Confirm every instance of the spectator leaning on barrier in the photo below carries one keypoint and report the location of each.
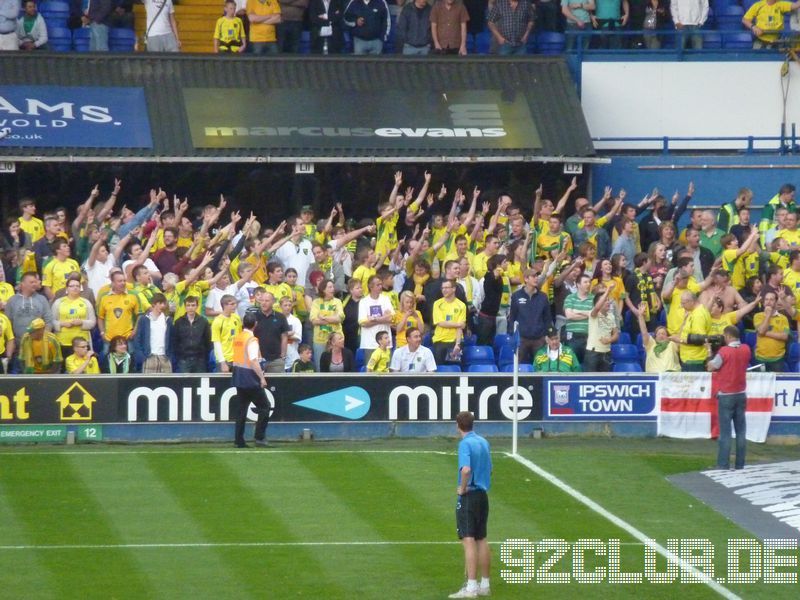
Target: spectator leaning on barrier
(610, 15)
(449, 20)
(661, 349)
(768, 16)
(31, 29)
(511, 23)
(414, 28)
(689, 16)
(370, 24)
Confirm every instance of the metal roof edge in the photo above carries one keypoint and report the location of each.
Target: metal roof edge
(306, 159)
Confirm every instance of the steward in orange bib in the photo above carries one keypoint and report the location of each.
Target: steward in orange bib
(250, 383)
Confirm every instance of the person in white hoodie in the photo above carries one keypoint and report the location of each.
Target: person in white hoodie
(689, 17)
(31, 29)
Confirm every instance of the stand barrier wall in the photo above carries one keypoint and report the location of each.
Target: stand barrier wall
(201, 407)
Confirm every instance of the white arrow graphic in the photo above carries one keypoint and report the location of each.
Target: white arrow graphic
(351, 403)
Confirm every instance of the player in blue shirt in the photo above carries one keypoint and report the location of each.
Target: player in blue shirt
(472, 508)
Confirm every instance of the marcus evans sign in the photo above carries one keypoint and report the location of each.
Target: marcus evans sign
(77, 117)
(391, 119)
(211, 399)
(602, 398)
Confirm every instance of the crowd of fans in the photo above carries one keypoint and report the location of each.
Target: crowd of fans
(430, 277)
(411, 27)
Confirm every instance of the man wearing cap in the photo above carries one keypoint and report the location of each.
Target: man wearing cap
(40, 351)
(554, 357)
(531, 310)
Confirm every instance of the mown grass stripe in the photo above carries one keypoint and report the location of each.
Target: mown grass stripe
(225, 510)
(52, 505)
(142, 510)
(23, 566)
(393, 511)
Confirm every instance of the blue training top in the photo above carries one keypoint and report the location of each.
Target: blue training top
(473, 452)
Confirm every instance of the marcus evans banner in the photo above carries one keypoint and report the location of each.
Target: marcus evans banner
(79, 117)
(390, 119)
(208, 399)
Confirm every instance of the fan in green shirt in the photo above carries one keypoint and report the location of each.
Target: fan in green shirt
(554, 357)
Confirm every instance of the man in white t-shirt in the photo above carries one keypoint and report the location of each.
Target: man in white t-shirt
(374, 315)
(244, 289)
(413, 357)
(296, 253)
(295, 332)
(215, 294)
(161, 30)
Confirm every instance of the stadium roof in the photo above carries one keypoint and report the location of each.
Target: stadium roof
(188, 108)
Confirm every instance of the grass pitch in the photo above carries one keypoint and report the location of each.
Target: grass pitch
(335, 520)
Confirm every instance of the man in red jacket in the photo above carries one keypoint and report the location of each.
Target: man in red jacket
(730, 375)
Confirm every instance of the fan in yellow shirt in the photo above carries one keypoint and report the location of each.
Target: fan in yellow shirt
(82, 361)
(768, 15)
(223, 329)
(54, 274)
(32, 226)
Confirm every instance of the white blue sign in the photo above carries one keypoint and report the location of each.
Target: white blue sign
(590, 398)
(49, 116)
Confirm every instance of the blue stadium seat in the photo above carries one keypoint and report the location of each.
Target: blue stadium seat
(212, 361)
(427, 340)
(362, 369)
(500, 340)
(505, 356)
(627, 367)
(478, 355)
(55, 14)
(737, 41)
(523, 368)
(448, 369)
(59, 38)
(711, 22)
(662, 318)
(624, 353)
(551, 42)
(482, 369)
(121, 39)
(469, 340)
(359, 357)
(729, 18)
(305, 42)
(80, 39)
(750, 339)
(483, 42)
(624, 338)
(792, 357)
(712, 40)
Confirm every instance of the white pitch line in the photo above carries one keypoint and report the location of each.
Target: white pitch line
(221, 545)
(156, 545)
(583, 499)
(252, 452)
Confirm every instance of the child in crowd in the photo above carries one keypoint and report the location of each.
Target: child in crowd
(303, 364)
(382, 355)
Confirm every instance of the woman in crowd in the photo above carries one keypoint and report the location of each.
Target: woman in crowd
(407, 316)
(659, 265)
(73, 317)
(327, 314)
(337, 358)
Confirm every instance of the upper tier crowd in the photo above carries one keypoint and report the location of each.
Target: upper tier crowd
(165, 288)
(410, 27)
